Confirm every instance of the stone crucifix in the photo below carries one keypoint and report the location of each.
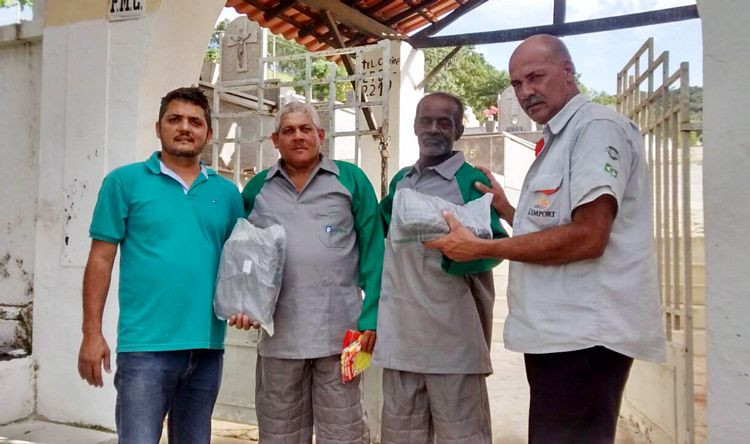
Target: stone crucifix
(240, 39)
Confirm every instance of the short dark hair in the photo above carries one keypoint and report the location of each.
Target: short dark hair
(189, 94)
(458, 116)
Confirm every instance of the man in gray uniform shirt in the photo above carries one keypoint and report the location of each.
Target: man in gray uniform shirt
(582, 288)
(435, 316)
(334, 251)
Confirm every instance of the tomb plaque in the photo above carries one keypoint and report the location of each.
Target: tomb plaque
(126, 9)
(485, 150)
(240, 50)
(513, 119)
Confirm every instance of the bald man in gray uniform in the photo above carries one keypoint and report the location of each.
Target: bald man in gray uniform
(435, 316)
(582, 288)
(334, 251)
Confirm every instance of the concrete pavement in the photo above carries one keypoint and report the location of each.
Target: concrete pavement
(507, 387)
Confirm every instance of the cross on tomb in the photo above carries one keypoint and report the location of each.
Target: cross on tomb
(242, 38)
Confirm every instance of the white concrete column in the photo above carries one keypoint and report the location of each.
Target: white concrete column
(20, 82)
(407, 66)
(726, 61)
(101, 86)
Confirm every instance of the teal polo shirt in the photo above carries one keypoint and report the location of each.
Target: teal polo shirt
(170, 243)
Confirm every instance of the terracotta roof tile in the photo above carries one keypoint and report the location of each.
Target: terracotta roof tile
(301, 23)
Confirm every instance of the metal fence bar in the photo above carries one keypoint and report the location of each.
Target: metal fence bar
(250, 94)
(687, 246)
(663, 114)
(384, 138)
(216, 130)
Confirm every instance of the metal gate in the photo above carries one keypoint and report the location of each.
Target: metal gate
(658, 101)
(241, 147)
(263, 96)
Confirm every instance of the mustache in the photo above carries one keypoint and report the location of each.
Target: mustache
(532, 100)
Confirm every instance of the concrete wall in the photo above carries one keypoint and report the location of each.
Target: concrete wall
(726, 165)
(101, 86)
(20, 80)
(519, 155)
(17, 389)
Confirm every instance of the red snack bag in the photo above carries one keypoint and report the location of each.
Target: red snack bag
(353, 360)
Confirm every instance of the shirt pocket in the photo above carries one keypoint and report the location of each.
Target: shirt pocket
(546, 200)
(335, 222)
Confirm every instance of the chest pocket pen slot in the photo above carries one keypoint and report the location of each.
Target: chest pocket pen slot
(334, 224)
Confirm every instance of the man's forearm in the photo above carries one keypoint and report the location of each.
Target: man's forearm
(585, 238)
(555, 246)
(96, 281)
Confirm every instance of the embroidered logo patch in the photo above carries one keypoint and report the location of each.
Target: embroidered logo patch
(542, 202)
(613, 153)
(332, 229)
(610, 169)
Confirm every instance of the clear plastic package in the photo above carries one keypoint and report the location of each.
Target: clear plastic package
(418, 217)
(250, 270)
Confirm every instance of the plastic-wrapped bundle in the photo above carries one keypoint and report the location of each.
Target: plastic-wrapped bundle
(419, 217)
(250, 270)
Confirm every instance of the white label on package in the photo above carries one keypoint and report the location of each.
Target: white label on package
(247, 266)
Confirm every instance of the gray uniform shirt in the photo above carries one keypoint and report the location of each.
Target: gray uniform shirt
(320, 294)
(612, 300)
(431, 321)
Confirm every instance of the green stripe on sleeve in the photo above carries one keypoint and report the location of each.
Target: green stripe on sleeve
(466, 176)
(251, 191)
(370, 242)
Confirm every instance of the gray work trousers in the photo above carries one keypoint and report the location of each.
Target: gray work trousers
(293, 394)
(433, 408)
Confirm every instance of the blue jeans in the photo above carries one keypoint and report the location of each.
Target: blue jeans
(183, 383)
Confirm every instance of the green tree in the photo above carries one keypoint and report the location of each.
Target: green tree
(696, 112)
(696, 103)
(320, 70)
(601, 97)
(278, 46)
(213, 52)
(23, 3)
(468, 75)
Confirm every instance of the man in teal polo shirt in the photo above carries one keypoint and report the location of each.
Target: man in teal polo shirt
(170, 216)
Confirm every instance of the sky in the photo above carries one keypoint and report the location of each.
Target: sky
(598, 56)
(10, 14)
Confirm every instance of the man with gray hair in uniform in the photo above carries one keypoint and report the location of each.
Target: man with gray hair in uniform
(435, 317)
(582, 289)
(328, 209)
